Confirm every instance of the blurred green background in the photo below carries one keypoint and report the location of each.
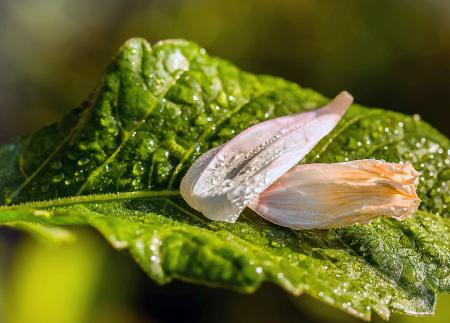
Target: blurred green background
(394, 54)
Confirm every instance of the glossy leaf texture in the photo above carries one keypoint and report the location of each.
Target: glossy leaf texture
(116, 162)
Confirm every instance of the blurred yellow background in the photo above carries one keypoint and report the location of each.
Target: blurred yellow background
(389, 53)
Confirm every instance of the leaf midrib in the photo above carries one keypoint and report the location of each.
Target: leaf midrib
(94, 198)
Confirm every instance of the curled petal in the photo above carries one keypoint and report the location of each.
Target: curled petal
(334, 195)
(224, 180)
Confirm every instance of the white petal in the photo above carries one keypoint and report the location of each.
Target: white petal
(333, 195)
(223, 181)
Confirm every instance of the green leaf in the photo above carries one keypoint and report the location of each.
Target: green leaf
(116, 163)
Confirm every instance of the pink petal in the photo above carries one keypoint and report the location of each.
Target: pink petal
(333, 195)
(224, 180)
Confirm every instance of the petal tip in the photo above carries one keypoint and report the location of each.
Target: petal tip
(341, 103)
(345, 94)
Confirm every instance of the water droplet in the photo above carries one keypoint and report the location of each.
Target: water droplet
(233, 218)
(347, 305)
(57, 178)
(176, 61)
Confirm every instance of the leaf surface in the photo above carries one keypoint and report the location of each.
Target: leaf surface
(116, 162)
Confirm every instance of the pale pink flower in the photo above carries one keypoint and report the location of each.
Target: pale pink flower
(255, 169)
(224, 180)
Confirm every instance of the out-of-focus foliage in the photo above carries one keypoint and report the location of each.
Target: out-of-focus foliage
(76, 283)
(53, 283)
(107, 298)
(387, 53)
